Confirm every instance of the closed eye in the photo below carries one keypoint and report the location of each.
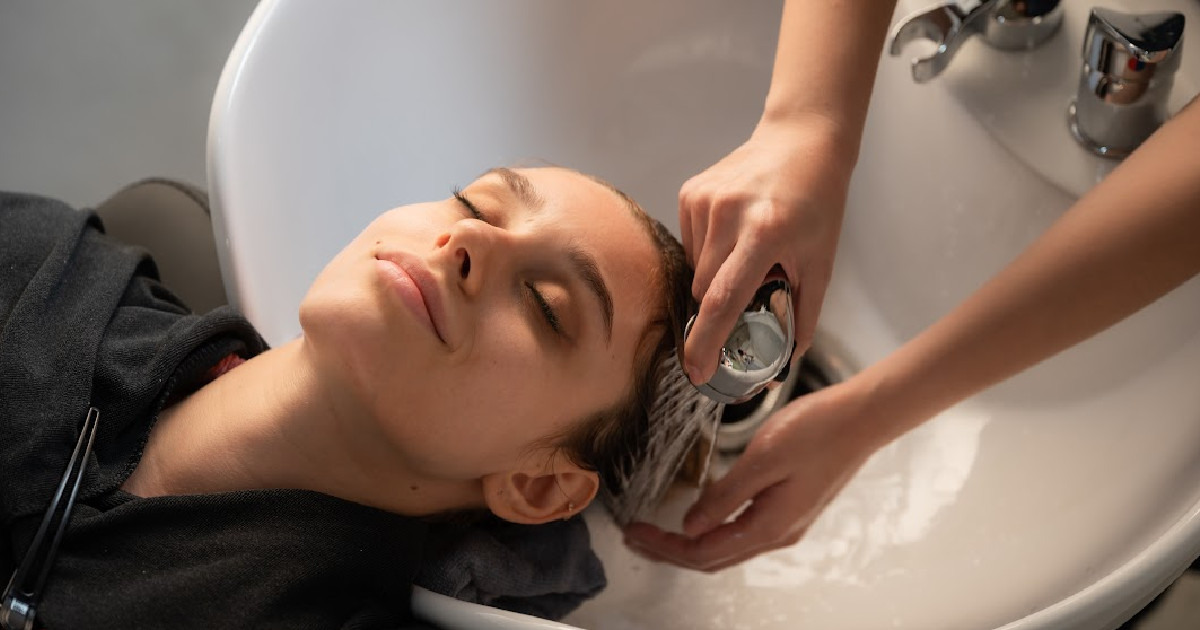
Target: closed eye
(539, 299)
(472, 210)
(547, 311)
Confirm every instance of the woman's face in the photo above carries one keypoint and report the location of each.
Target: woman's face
(473, 327)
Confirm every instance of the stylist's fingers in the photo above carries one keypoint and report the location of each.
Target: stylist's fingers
(704, 524)
(807, 303)
(759, 530)
(720, 499)
(685, 235)
(694, 206)
(691, 214)
(725, 298)
(755, 531)
(720, 237)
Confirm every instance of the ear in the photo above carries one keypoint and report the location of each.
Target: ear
(560, 489)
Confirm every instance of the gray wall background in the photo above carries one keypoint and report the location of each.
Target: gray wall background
(97, 94)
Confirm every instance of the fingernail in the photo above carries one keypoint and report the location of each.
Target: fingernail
(691, 372)
(696, 524)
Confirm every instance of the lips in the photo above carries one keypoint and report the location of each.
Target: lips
(418, 289)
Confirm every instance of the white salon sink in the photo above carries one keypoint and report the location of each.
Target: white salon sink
(1064, 498)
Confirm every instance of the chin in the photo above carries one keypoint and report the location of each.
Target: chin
(340, 321)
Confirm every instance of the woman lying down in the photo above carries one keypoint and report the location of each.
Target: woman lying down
(497, 351)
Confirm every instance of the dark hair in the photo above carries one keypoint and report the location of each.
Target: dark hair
(612, 440)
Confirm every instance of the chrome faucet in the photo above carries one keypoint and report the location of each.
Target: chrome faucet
(1129, 64)
(1005, 24)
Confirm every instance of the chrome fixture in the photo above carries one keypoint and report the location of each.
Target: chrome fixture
(759, 349)
(826, 363)
(1129, 64)
(1004, 24)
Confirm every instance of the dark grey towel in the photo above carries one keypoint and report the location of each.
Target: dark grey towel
(544, 570)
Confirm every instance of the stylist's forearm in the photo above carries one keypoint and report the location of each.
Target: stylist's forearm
(1130, 240)
(825, 65)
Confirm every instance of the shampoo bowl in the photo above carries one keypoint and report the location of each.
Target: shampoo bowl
(1065, 498)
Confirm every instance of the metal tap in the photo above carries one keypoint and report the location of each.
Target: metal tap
(1129, 64)
(1005, 24)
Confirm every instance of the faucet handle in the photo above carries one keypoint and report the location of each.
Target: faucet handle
(1129, 64)
(1132, 47)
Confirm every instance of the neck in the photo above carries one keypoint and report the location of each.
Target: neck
(274, 422)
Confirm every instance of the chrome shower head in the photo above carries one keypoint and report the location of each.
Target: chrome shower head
(760, 347)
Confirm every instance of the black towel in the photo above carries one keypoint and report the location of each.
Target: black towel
(544, 570)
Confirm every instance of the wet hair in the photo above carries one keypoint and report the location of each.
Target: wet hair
(614, 440)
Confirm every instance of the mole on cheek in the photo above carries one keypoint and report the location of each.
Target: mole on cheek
(413, 488)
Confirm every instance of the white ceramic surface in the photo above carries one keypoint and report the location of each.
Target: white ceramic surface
(1064, 498)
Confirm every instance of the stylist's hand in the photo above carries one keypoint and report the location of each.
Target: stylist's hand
(778, 198)
(794, 466)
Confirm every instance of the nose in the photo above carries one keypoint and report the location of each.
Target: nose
(475, 250)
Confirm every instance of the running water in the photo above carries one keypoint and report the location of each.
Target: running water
(678, 417)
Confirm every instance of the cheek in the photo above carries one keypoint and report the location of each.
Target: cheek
(504, 376)
(461, 425)
(491, 404)
(414, 228)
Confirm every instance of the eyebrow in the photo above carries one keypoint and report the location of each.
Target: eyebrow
(520, 186)
(582, 261)
(585, 266)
